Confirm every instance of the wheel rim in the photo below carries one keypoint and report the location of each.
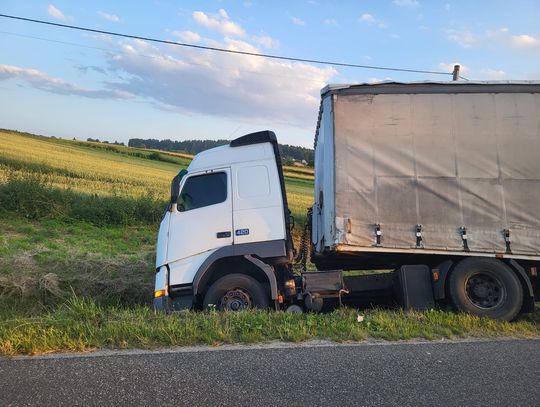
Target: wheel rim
(484, 290)
(236, 300)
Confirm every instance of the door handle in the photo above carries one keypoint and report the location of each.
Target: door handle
(221, 235)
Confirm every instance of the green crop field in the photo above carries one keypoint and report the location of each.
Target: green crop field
(78, 224)
(102, 169)
(82, 217)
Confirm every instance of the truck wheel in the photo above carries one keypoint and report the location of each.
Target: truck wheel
(485, 287)
(236, 292)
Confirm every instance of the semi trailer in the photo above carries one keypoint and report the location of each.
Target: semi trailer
(435, 183)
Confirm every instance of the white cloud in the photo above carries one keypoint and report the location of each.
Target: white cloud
(90, 68)
(110, 17)
(247, 88)
(100, 37)
(493, 74)
(330, 21)
(525, 41)
(42, 81)
(464, 38)
(220, 22)
(297, 21)
(374, 79)
(187, 36)
(55, 12)
(406, 3)
(266, 41)
(369, 19)
(495, 38)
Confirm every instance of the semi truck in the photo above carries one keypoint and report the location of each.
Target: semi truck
(428, 191)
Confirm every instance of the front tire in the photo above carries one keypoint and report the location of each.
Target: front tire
(236, 292)
(485, 287)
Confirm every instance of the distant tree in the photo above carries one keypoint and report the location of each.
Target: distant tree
(288, 152)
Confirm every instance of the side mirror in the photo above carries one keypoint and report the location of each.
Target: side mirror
(175, 187)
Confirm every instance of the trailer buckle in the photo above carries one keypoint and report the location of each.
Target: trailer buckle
(463, 230)
(419, 244)
(378, 234)
(507, 240)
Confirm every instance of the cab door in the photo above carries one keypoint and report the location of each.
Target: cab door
(203, 218)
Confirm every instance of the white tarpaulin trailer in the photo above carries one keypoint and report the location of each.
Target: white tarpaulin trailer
(449, 168)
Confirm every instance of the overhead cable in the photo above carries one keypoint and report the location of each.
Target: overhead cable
(224, 50)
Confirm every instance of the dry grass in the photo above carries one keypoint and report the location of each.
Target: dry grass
(301, 170)
(44, 262)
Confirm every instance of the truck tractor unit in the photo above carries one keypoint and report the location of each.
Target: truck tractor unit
(424, 193)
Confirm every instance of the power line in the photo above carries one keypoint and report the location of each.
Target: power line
(156, 57)
(181, 44)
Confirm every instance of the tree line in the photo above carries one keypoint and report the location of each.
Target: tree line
(289, 153)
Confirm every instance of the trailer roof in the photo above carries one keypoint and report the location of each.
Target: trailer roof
(389, 87)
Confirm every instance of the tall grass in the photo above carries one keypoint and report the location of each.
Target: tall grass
(34, 198)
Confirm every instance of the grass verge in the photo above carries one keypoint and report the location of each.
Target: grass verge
(81, 325)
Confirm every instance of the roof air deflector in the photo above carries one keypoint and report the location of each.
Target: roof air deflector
(265, 136)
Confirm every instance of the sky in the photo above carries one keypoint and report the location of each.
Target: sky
(65, 83)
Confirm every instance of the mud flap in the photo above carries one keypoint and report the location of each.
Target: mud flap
(415, 287)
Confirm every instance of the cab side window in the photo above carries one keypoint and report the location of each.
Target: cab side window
(203, 190)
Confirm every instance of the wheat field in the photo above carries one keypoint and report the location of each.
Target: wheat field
(89, 168)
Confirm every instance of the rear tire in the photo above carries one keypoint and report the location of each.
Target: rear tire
(236, 292)
(485, 287)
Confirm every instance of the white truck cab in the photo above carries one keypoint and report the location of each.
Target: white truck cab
(228, 216)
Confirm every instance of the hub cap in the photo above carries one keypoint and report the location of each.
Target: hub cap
(484, 290)
(236, 300)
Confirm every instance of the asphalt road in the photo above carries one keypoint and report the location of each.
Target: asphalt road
(496, 373)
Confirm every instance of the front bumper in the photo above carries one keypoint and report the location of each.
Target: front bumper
(168, 304)
(162, 304)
